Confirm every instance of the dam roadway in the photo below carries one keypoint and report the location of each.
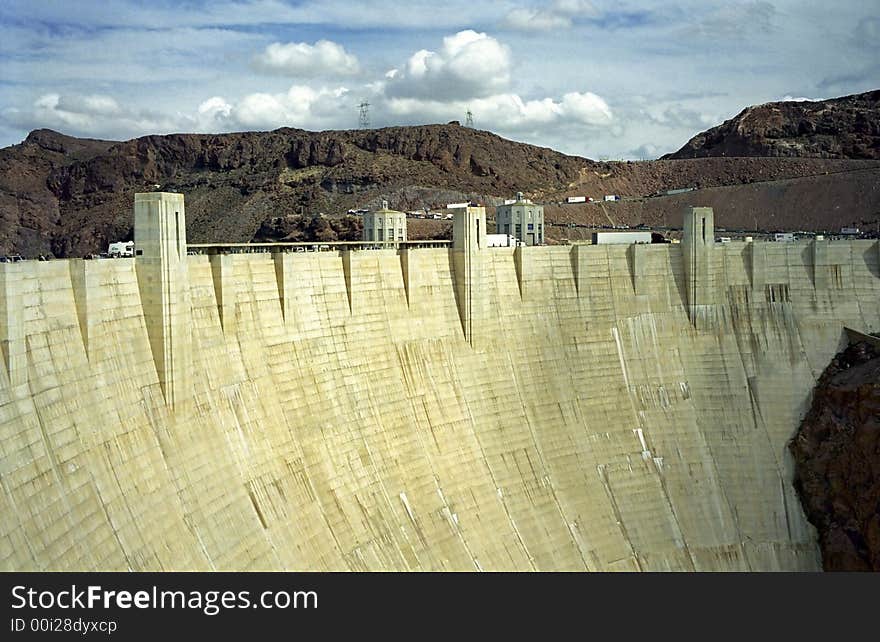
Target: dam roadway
(600, 408)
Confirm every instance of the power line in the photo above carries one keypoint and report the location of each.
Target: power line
(469, 119)
(364, 115)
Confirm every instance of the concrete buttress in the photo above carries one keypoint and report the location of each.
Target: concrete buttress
(160, 258)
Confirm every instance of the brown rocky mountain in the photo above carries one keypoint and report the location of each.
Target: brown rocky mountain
(28, 208)
(837, 460)
(70, 197)
(846, 127)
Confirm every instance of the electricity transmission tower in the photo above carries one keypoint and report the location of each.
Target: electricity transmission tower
(364, 115)
(469, 119)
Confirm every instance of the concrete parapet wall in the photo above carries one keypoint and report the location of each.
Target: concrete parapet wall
(339, 418)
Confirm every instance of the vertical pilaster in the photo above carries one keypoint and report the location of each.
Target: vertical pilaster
(12, 343)
(638, 265)
(85, 283)
(160, 261)
(346, 273)
(224, 284)
(821, 265)
(407, 272)
(579, 267)
(468, 243)
(521, 270)
(284, 279)
(757, 262)
(698, 242)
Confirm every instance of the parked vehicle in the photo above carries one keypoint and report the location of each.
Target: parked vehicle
(122, 249)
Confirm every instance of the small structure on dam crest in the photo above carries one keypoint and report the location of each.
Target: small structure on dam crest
(384, 224)
(522, 218)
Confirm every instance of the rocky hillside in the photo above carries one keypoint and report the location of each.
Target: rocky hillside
(28, 207)
(70, 197)
(847, 127)
(837, 459)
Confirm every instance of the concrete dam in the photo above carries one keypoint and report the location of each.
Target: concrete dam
(583, 408)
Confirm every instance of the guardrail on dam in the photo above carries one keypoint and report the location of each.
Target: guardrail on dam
(574, 407)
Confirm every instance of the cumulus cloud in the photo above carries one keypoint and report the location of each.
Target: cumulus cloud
(174, 57)
(300, 106)
(587, 108)
(472, 71)
(558, 15)
(102, 116)
(468, 71)
(88, 115)
(509, 112)
(468, 65)
(214, 114)
(324, 58)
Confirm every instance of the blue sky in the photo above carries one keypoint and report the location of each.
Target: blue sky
(603, 79)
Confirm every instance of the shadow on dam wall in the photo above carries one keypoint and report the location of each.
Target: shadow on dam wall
(599, 408)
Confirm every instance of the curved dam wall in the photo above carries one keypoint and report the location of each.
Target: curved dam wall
(539, 408)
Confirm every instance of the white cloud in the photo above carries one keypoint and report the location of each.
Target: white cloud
(107, 71)
(587, 108)
(300, 106)
(469, 64)
(472, 71)
(558, 15)
(103, 117)
(88, 115)
(304, 60)
(96, 104)
(509, 112)
(213, 114)
(797, 99)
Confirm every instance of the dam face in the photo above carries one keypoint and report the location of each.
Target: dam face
(537, 408)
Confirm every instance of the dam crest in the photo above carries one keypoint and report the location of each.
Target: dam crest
(454, 407)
